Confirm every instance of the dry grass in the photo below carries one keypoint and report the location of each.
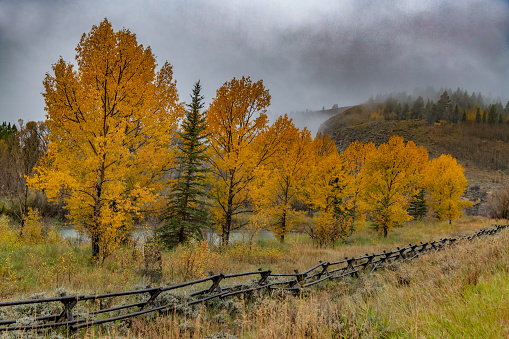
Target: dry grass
(459, 292)
(453, 293)
(35, 268)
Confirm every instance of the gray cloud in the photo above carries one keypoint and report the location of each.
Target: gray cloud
(309, 54)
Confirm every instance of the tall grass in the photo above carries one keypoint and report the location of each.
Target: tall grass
(27, 268)
(460, 292)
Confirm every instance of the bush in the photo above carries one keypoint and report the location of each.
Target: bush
(8, 236)
(497, 206)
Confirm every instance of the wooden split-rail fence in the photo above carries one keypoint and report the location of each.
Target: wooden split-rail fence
(263, 280)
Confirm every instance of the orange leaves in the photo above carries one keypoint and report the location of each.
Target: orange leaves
(393, 175)
(385, 179)
(445, 183)
(112, 121)
(282, 181)
(237, 124)
(325, 167)
(237, 114)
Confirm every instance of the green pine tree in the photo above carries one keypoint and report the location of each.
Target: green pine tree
(442, 107)
(492, 114)
(478, 116)
(455, 114)
(418, 207)
(186, 213)
(464, 117)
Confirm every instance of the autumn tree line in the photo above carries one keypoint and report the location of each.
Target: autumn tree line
(118, 146)
(454, 107)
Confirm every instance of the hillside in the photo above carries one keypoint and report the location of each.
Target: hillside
(313, 119)
(482, 149)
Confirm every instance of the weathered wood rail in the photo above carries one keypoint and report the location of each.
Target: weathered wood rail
(264, 280)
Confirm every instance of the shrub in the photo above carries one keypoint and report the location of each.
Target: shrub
(497, 205)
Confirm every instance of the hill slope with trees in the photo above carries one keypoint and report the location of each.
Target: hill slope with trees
(475, 133)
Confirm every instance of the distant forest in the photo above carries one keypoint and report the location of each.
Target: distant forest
(444, 104)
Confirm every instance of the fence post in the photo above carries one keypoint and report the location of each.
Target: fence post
(424, 247)
(153, 295)
(263, 277)
(69, 304)
(300, 278)
(384, 258)
(401, 253)
(66, 314)
(350, 268)
(369, 261)
(215, 283)
(325, 265)
(412, 249)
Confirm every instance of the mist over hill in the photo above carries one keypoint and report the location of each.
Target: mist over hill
(312, 120)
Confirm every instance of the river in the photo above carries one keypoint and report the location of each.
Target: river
(68, 232)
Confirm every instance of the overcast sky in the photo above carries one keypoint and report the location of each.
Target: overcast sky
(309, 53)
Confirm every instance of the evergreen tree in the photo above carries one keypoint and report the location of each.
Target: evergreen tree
(8, 133)
(404, 112)
(478, 116)
(418, 108)
(500, 119)
(455, 114)
(434, 115)
(418, 207)
(442, 107)
(186, 214)
(464, 117)
(399, 111)
(492, 114)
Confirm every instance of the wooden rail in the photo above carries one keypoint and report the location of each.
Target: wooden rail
(264, 280)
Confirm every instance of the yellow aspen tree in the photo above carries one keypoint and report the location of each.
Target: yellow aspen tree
(354, 157)
(240, 141)
(445, 183)
(393, 176)
(281, 183)
(326, 191)
(111, 125)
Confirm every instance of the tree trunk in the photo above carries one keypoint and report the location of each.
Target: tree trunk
(180, 236)
(95, 248)
(228, 220)
(283, 228)
(96, 236)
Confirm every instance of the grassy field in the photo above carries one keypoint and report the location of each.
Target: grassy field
(461, 292)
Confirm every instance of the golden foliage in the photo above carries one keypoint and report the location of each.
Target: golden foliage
(8, 236)
(393, 176)
(325, 168)
(32, 231)
(327, 192)
(445, 183)
(112, 121)
(193, 259)
(241, 141)
(279, 184)
(354, 157)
